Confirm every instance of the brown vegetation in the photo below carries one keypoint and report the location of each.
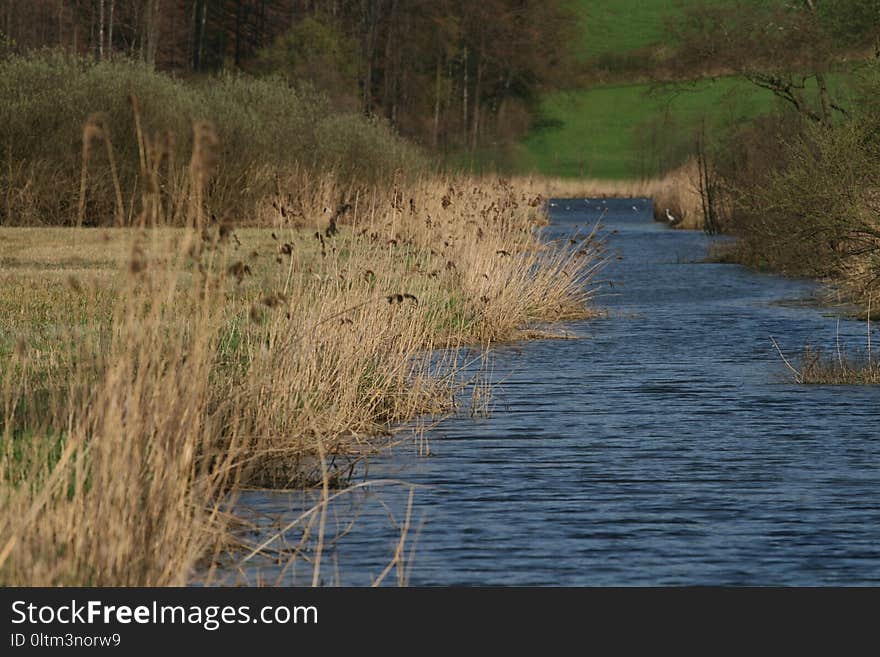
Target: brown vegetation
(677, 191)
(135, 404)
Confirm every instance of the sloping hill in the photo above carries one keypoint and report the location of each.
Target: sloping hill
(633, 131)
(629, 130)
(620, 26)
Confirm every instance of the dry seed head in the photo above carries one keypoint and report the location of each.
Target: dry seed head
(204, 148)
(138, 262)
(92, 132)
(226, 230)
(274, 300)
(74, 284)
(239, 270)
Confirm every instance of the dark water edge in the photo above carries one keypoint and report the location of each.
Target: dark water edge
(665, 445)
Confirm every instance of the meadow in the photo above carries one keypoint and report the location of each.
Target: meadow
(220, 284)
(621, 26)
(634, 131)
(630, 118)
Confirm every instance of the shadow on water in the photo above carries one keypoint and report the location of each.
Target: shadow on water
(664, 446)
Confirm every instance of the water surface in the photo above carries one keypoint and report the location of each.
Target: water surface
(665, 445)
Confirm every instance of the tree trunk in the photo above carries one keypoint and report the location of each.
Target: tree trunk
(370, 11)
(100, 30)
(389, 72)
(61, 24)
(475, 127)
(502, 104)
(464, 98)
(200, 47)
(110, 30)
(238, 11)
(824, 99)
(435, 129)
(75, 26)
(154, 33)
(191, 36)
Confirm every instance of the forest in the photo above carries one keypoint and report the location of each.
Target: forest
(449, 73)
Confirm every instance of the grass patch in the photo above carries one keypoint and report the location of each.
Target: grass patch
(634, 131)
(822, 368)
(622, 26)
(817, 366)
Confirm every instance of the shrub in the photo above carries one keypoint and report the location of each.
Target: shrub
(266, 130)
(806, 197)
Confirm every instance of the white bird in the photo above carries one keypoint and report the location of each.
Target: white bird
(552, 204)
(671, 218)
(635, 209)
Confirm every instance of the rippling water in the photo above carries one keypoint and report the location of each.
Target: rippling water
(664, 446)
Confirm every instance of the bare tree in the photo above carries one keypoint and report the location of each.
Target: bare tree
(100, 30)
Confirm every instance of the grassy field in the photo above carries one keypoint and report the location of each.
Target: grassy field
(619, 26)
(200, 293)
(633, 131)
(619, 132)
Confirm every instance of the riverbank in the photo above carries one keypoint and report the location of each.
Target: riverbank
(676, 191)
(801, 199)
(669, 445)
(149, 374)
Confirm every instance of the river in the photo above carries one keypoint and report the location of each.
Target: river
(664, 445)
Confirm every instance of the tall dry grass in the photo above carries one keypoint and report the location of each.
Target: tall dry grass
(267, 357)
(677, 191)
(114, 463)
(818, 366)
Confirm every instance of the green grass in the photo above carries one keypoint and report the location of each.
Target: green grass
(635, 131)
(629, 131)
(618, 26)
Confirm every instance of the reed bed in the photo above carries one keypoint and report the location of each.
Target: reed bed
(818, 366)
(677, 191)
(821, 368)
(148, 373)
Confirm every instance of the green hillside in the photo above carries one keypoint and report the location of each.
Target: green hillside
(620, 26)
(632, 131)
(628, 131)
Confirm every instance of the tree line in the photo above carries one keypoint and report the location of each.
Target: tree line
(452, 74)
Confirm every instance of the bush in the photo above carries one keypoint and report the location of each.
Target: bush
(266, 130)
(807, 196)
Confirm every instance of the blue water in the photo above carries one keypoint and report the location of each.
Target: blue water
(666, 445)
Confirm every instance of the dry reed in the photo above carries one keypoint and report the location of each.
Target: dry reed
(273, 357)
(817, 366)
(677, 191)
